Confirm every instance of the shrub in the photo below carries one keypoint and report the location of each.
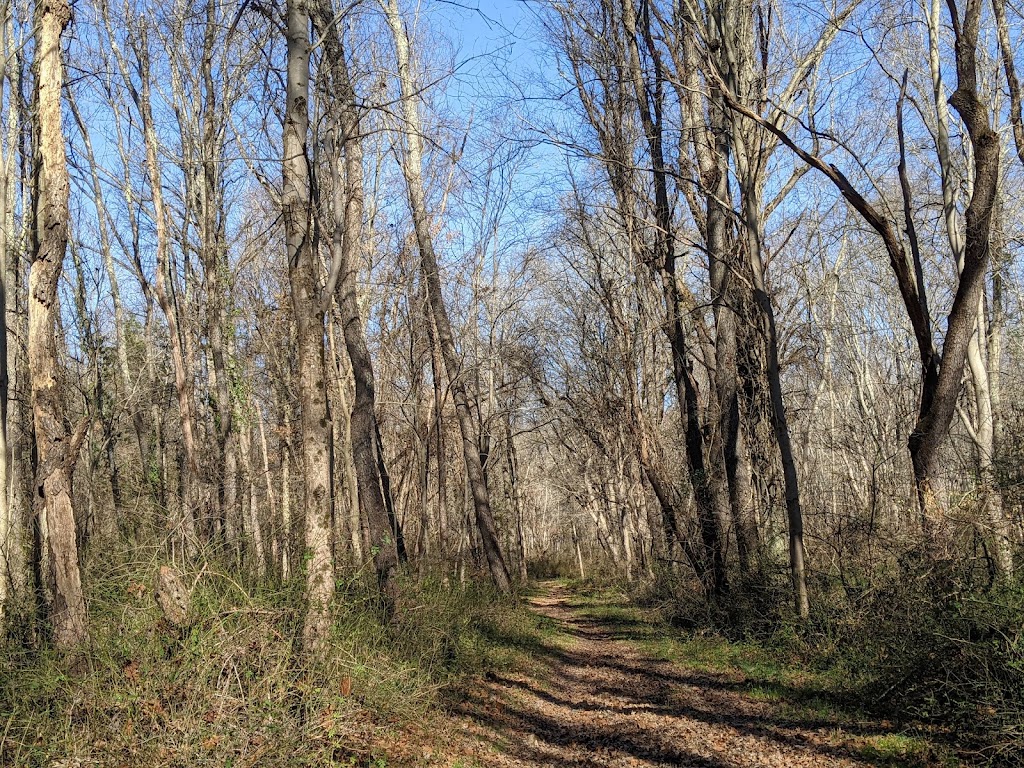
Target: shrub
(232, 684)
(953, 657)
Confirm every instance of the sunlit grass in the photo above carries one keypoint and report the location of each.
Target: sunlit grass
(777, 676)
(233, 688)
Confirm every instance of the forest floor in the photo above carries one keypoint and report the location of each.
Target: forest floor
(608, 688)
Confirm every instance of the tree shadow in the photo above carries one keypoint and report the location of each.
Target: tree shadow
(848, 704)
(789, 732)
(534, 738)
(628, 705)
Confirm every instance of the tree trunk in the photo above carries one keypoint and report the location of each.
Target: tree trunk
(440, 453)
(249, 507)
(216, 272)
(285, 446)
(346, 488)
(934, 420)
(941, 377)
(186, 524)
(708, 483)
(276, 547)
(10, 526)
(412, 167)
(794, 513)
(726, 287)
(579, 551)
(121, 347)
(516, 498)
(55, 448)
(347, 182)
(983, 431)
(309, 323)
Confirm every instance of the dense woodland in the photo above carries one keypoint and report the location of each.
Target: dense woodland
(718, 299)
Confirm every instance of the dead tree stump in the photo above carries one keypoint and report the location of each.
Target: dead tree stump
(172, 596)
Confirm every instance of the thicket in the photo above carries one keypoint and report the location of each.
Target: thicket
(924, 643)
(948, 654)
(233, 687)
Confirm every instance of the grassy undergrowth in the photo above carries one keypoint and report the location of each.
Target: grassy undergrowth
(233, 690)
(802, 688)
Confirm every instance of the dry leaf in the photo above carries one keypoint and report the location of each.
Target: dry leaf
(131, 671)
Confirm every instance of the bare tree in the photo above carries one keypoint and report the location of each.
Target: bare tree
(941, 373)
(56, 449)
(346, 174)
(412, 169)
(309, 323)
(11, 528)
(162, 284)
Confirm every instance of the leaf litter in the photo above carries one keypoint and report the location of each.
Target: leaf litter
(593, 699)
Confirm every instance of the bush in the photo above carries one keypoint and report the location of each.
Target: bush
(232, 687)
(551, 565)
(954, 657)
(920, 642)
(758, 607)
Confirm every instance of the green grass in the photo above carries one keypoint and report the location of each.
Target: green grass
(232, 689)
(905, 750)
(797, 692)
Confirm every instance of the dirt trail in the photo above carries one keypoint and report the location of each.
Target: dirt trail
(599, 701)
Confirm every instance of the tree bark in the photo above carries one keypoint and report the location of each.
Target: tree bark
(708, 482)
(516, 498)
(213, 251)
(55, 447)
(309, 323)
(711, 150)
(940, 376)
(10, 526)
(933, 424)
(121, 347)
(412, 165)
(346, 240)
(185, 527)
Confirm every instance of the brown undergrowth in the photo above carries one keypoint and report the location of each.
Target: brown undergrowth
(231, 688)
(460, 678)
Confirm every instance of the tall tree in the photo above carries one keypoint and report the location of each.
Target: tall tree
(412, 169)
(162, 286)
(347, 237)
(622, 84)
(309, 324)
(941, 373)
(55, 447)
(10, 526)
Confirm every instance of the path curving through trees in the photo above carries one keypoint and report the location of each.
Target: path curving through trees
(596, 699)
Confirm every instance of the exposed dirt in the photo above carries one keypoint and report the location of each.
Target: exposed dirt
(599, 701)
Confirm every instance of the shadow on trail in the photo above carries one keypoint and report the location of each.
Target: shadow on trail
(607, 701)
(535, 738)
